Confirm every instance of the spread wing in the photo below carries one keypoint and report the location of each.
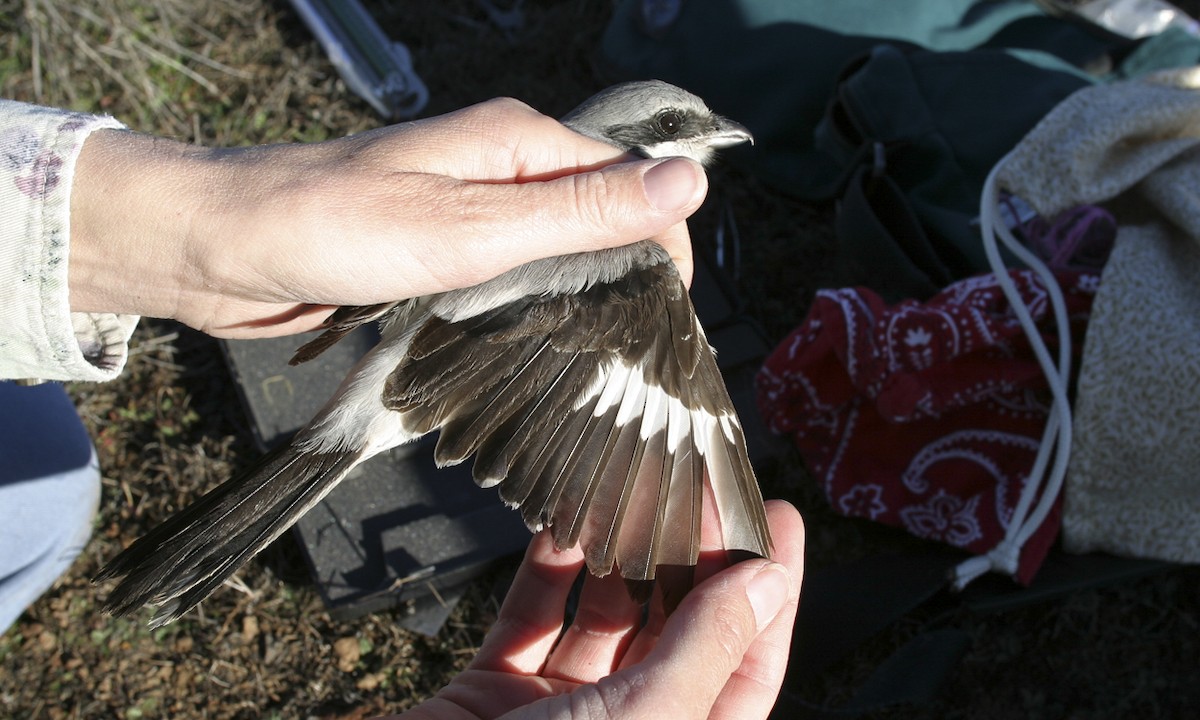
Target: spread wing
(600, 413)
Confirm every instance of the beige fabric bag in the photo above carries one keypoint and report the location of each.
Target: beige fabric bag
(1133, 483)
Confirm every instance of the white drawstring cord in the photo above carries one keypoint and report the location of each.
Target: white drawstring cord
(1056, 438)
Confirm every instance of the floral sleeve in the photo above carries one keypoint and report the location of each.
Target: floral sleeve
(40, 338)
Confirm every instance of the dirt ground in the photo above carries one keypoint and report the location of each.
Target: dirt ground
(235, 72)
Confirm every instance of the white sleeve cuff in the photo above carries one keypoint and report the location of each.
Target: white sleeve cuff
(40, 338)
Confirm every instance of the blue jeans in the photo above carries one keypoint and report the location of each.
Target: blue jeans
(49, 492)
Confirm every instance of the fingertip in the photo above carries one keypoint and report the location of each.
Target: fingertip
(787, 530)
(675, 184)
(768, 591)
(531, 615)
(542, 551)
(718, 621)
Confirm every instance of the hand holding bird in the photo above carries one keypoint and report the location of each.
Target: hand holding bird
(582, 384)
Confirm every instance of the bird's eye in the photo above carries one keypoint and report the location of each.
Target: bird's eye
(669, 122)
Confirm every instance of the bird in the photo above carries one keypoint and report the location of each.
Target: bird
(582, 385)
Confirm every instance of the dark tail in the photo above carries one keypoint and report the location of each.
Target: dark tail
(178, 563)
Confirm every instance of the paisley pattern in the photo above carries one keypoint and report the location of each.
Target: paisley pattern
(925, 416)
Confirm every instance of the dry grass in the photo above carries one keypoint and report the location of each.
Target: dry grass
(232, 72)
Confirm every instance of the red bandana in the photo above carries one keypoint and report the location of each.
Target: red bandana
(925, 416)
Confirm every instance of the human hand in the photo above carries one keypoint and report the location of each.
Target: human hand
(263, 241)
(721, 654)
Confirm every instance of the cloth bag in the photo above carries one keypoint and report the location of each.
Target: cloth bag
(1133, 486)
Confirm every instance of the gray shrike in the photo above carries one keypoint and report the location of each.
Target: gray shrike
(582, 384)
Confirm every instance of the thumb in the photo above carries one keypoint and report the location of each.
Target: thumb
(625, 202)
(703, 643)
(608, 207)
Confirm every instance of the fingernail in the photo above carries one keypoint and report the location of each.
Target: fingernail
(672, 184)
(768, 591)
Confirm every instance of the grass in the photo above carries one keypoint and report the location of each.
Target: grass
(235, 72)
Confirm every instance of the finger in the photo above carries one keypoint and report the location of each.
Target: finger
(604, 625)
(495, 227)
(266, 319)
(522, 145)
(502, 139)
(678, 243)
(702, 645)
(740, 620)
(754, 686)
(531, 617)
(713, 559)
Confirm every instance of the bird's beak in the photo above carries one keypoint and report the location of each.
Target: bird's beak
(727, 133)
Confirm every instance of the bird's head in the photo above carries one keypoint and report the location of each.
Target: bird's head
(655, 119)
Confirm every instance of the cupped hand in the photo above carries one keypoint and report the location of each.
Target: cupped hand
(263, 241)
(721, 654)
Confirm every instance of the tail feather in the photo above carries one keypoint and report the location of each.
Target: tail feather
(181, 561)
